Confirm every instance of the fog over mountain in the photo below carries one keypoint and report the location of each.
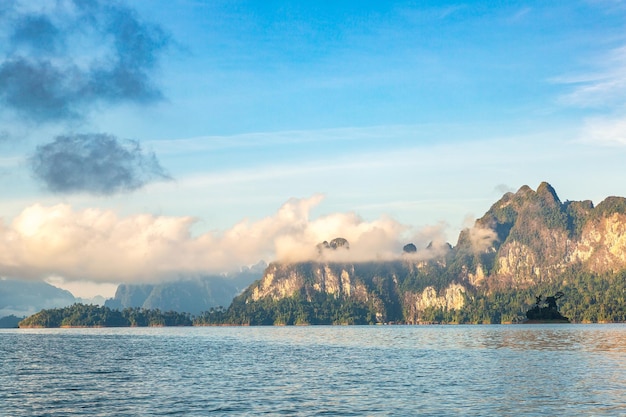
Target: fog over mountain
(527, 244)
(101, 246)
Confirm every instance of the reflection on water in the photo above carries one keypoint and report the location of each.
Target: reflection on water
(370, 370)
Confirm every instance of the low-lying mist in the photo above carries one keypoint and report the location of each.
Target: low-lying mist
(99, 246)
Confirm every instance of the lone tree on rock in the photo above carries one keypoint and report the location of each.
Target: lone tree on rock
(546, 309)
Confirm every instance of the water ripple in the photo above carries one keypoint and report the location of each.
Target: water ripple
(315, 371)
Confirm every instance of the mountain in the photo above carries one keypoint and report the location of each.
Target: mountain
(190, 295)
(10, 322)
(528, 243)
(23, 298)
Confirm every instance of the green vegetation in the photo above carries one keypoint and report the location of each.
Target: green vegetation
(587, 298)
(610, 206)
(320, 308)
(532, 232)
(82, 315)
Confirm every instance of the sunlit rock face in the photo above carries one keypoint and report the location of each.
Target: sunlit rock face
(283, 280)
(451, 298)
(538, 238)
(602, 246)
(525, 239)
(376, 285)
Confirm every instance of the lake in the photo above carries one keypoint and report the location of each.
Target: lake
(532, 370)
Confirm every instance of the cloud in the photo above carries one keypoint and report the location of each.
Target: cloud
(481, 238)
(37, 32)
(99, 246)
(61, 58)
(503, 189)
(94, 163)
(610, 131)
(430, 242)
(604, 87)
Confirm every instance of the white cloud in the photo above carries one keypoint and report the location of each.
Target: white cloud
(605, 89)
(99, 246)
(286, 137)
(606, 86)
(481, 238)
(605, 131)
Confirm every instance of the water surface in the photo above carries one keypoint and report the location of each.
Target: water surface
(371, 370)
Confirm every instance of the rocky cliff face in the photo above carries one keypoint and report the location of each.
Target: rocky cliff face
(538, 237)
(451, 298)
(602, 246)
(527, 238)
(280, 281)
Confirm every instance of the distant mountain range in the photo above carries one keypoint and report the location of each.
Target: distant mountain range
(19, 299)
(528, 243)
(23, 298)
(186, 295)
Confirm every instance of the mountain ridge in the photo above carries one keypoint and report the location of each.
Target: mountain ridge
(189, 294)
(526, 243)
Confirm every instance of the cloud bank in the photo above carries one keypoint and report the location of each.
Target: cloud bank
(99, 246)
(60, 58)
(94, 163)
(602, 89)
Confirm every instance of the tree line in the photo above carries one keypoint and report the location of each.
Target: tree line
(83, 315)
(588, 298)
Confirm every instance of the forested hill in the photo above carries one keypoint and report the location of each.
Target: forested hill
(82, 315)
(529, 243)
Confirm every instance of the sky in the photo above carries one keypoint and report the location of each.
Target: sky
(152, 140)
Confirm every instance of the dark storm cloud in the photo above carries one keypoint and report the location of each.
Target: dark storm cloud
(62, 60)
(95, 163)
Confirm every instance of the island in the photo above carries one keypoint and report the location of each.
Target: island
(82, 315)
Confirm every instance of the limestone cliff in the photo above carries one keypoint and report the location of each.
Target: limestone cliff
(602, 245)
(528, 239)
(280, 281)
(451, 298)
(538, 238)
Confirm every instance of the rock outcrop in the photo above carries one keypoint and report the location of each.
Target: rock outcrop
(526, 239)
(538, 238)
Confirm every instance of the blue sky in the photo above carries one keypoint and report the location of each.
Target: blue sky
(279, 123)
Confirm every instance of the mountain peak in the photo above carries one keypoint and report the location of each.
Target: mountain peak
(524, 190)
(547, 193)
